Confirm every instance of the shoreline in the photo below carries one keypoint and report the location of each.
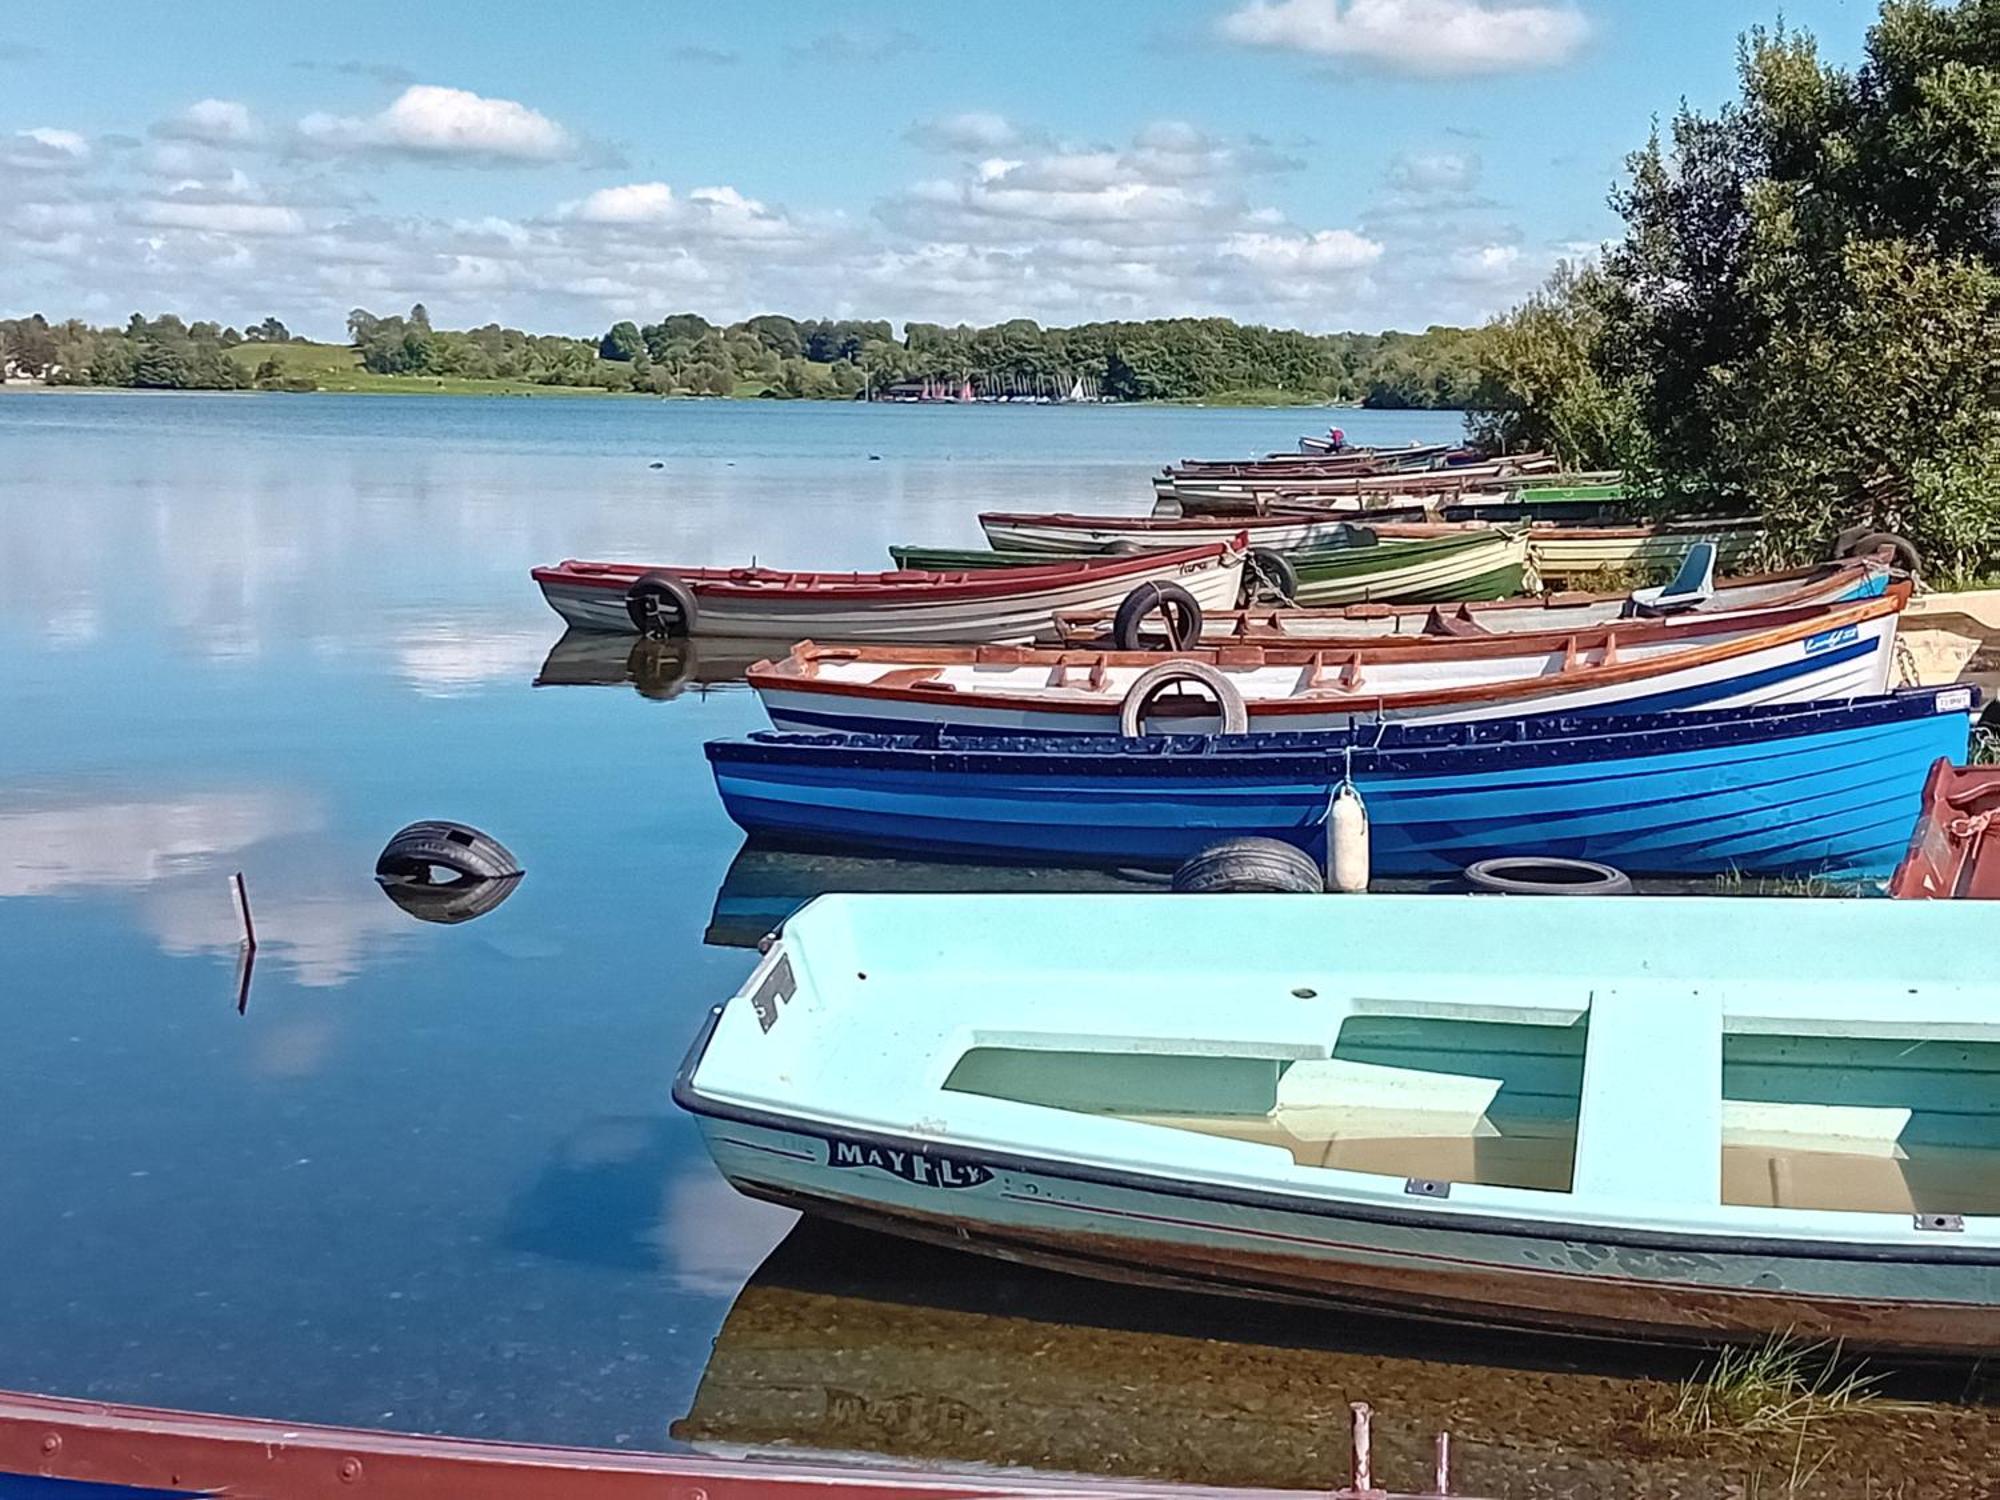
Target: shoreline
(537, 392)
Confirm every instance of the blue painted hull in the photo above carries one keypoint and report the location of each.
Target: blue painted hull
(1788, 790)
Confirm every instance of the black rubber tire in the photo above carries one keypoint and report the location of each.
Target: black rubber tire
(1250, 864)
(1539, 875)
(1901, 548)
(1178, 612)
(450, 904)
(1267, 574)
(411, 857)
(660, 605)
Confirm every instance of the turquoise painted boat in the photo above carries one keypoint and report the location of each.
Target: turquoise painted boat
(1689, 1119)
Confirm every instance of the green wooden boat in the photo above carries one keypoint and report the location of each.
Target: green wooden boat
(1386, 564)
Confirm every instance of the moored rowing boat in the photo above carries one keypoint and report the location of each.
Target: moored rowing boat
(1010, 605)
(1828, 583)
(1699, 1119)
(1783, 656)
(1561, 553)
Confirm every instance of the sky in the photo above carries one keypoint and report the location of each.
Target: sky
(1319, 164)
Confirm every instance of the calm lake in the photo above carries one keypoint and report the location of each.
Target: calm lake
(430, 1178)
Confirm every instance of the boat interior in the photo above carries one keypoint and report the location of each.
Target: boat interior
(1898, 1124)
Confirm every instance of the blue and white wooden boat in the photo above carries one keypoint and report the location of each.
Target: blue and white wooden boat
(1815, 788)
(1811, 652)
(1666, 1118)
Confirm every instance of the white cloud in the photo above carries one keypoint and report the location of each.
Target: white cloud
(1329, 251)
(1489, 263)
(213, 122)
(211, 217)
(1435, 37)
(973, 133)
(427, 120)
(1435, 173)
(45, 149)
(633, 203)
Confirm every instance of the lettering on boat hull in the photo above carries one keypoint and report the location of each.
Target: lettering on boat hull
(924, 1168)
(1827, 640)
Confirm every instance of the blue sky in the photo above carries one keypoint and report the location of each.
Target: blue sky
(1313, 163)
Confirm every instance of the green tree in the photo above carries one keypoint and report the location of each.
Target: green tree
(1542, 389)
(1805, 306)
(621, 343)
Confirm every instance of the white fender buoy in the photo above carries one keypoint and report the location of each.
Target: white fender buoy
(1347, 841)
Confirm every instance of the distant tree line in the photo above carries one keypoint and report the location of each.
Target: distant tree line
(1168, 359)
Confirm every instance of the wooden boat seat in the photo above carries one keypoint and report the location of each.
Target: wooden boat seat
(913, 677)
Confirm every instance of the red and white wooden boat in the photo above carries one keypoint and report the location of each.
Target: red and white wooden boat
(1800, 655)
(990, 605)
(1955, 852)
(57, 1448)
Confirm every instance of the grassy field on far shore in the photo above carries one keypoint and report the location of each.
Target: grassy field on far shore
(336, 367)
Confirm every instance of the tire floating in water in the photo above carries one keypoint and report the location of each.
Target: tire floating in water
(1250, 864)
(440, 871)
(1179, 613)
(1540, 875)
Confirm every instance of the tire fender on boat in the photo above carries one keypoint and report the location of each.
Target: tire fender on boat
(1265, 573)
(1252, 865)
(1155, 680)
(660, 605)
(1178, 610)
(1901, 550)
(1542, 875)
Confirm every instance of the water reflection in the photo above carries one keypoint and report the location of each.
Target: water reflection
(655, 669)
(171, 854)
(615, 1193)
(844, 1340)
(765, 884)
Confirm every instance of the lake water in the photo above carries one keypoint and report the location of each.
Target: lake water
(430, 1177)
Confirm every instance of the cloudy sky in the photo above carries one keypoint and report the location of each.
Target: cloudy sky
(1322, 164)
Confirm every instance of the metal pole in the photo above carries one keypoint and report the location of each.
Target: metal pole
(1441, 1480)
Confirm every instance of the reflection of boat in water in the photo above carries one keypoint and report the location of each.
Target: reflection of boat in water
(846, 1341)
(659, 669)
(765, 885)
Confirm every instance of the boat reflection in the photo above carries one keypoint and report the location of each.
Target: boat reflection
(844, 1340)
(766, 883)
(656, 669)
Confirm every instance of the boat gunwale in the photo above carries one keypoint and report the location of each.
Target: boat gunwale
(1449, 748)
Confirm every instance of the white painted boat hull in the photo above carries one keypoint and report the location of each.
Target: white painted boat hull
(1559, 557)
(1012, 619)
